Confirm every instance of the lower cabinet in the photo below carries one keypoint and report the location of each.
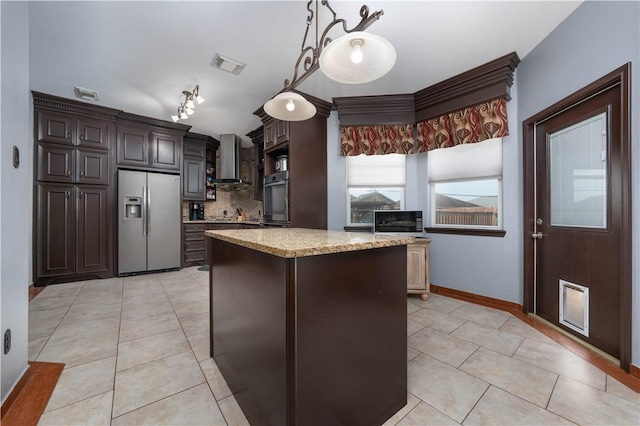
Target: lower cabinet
(196, 247)
(194, 244)
(418, 267)
(73, 234)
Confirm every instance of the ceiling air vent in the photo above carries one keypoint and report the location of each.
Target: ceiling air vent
(227, 64)
(88, 94)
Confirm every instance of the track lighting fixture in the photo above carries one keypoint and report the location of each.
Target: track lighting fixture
(186, 108)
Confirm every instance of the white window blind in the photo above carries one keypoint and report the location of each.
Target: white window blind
(468, 161)
(376, 170)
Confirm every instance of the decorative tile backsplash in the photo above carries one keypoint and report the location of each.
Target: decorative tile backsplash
(229, 200)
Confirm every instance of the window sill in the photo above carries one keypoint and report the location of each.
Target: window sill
(500, 233)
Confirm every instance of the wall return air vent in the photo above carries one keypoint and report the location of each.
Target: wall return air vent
(227, 64)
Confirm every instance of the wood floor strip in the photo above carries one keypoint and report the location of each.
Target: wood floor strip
(29, 404)
(631, 380)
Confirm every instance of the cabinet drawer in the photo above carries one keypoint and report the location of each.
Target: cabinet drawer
(194, 256)
(193, 236)
(194, 227)
(194, 245)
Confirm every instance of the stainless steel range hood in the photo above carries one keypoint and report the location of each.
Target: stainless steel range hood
(229, 173)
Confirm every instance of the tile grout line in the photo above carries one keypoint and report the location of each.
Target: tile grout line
(115, 366)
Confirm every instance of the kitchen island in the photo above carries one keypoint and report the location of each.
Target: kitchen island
(309, 327)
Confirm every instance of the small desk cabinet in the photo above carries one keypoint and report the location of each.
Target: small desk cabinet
(418, 267)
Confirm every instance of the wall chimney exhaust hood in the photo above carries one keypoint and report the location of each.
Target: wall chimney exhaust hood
(229, 176)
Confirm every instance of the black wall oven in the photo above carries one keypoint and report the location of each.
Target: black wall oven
(276, 198)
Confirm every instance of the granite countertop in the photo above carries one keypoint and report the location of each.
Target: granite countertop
(234, 221)
(300, 242)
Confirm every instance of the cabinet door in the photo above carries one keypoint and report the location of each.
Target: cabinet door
(93, 133)
(193, 179)
(55, 163)
(55, 127)
(282, 131)
(132, 146)
(92, 166)
(166, 151)
(93, 230)
(54, 230)
(416, 267)
(269, 135)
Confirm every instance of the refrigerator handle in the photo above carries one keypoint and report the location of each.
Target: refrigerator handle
(148, 211)
(144, 211)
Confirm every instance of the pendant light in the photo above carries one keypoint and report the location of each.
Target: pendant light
(357, 57)
(290, 106)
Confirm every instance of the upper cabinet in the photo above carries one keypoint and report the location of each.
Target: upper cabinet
(276, 132)
(148, 143)
(199, 153)
(61, 128)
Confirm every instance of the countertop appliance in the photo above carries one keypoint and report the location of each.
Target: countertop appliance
(149, 221)
(282, 163)
(196, 210)
(276, 198)
(398, 222)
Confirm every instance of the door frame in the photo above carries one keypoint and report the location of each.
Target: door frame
(622, 77)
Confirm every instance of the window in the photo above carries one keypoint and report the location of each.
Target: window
(374, 182)
(466, 186)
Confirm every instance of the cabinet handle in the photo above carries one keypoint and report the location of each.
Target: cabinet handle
(155, 159)
(81, 174)
(81, 195)
(68, 173)
(82, 137)
(145, 159)
(66, 194)
(68, 135)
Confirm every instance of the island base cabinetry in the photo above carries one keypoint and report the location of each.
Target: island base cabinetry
(317, 340)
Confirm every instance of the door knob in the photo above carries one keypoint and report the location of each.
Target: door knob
(536, 235)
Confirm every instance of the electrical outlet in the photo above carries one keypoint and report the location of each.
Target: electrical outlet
(7, 341)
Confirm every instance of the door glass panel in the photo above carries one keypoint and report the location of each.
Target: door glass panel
(578, 174)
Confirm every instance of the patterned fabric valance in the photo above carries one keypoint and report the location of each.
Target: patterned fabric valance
(483, 121)
(376, 140)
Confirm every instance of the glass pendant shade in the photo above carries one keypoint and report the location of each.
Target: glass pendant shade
(199, 99)
(277, 107)
(175, 118)
(378, 57)
(183, 115)
(189, 104)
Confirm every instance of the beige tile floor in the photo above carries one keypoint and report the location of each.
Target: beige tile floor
(136, 352)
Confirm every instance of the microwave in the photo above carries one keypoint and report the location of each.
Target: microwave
(398, 222)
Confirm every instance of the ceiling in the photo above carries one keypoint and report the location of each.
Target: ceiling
(140, 56)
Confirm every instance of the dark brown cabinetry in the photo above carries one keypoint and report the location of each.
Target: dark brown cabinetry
(195, 247)
(305, 143)
(257, 137)
(140, 147)
(199, 153)
(73, 226)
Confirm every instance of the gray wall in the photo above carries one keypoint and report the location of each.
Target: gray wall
(15, 189)
(593, 41)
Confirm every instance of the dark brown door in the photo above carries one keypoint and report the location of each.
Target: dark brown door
(54, 235)
(92, 166)
(55, 127)
(92, 230)
(133, 147)
(166, 151)
(55, 163)
(93, 133)
(579, 219)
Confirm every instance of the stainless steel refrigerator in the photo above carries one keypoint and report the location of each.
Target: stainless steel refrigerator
(149, 221)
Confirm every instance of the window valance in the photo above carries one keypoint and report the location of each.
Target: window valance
(473, 124)
(377, 140)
